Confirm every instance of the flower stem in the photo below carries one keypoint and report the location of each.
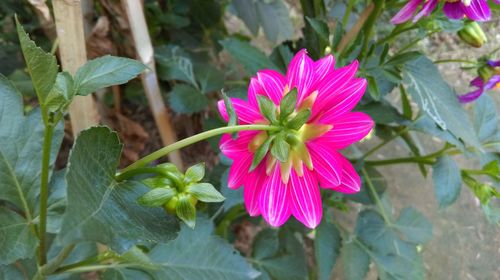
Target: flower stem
(53, 265)
(454, 60)
(191, 140)
(44, 191)
(423, 160)
(377, 198)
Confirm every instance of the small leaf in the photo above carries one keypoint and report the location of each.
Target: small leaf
(403, 58)
(186, 99)
(414, 226)
(287, 104)
(195, 173)
(157, 182)
(326, 248)
(447, 181)
(267, 108)
(106, 71)
(485, 117)
(233, 119)
(260, 153)
(61, 94)
(266, 244)
(280, 148)
(186, 211)
(17, 240)
(373, 88)
(156, 197)
(299, 120)
(205, 192)
(356, 261)
(492, 169)
(320, 27)
(252, 58)
(246, 11)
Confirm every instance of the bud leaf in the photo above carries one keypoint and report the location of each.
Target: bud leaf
(195, 173)
(205, 192)
(157, 182)
(280, 148)
(261, 152)
(233, 119)
(287, 104)
(156, 197)
(299, 120)
(186, 211)
(267, 108)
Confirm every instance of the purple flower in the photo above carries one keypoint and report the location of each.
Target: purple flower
(476, 10)
(482, 86)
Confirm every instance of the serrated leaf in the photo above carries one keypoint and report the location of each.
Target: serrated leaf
(356, 261)
(99, 208)
(205, 192)
(415, 226)
(186, 211)
(233, 119)
(320, 27)
(252, 58)
(275, 20)
(156, 197)
(42, 66)
(267, 108)
(209, 78)
(247, 11)
(195, 173)
(280, 148)
(106, 71)
(447, 181)
(261, 152)
(403, 58)
(61, 94)
(198, 254)
(485, 117)
(299, 120)
(174, 63)
(186, 99)
(17, 240)
(326, 248)
(287, 104)
(437, 99)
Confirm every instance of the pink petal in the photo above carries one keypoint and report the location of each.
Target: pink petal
(274, 199)
(246, 114)
(427, 8)
(324, 66)
(478, 10)
(272, 83)
(477, 82)
(306, 200)
(301, 74)
(326, 164)
(234, 148)
(239, 170)
(351, 183)
(453, 10)
(251, 191)
(343, 102)
(254, 88)
(406, 12)
(347, 129)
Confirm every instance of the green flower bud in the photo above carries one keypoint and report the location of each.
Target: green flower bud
(472, 34)
(485, 72)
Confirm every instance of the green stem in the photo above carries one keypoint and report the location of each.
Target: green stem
(191, 140)
(423, 160)
(454, 60)
(87, 262)
(414, 41)
(138, 171)
(370, 24)
(376, 148)
(58, 260)
(44, 191)
(375, 195)
(347, 14)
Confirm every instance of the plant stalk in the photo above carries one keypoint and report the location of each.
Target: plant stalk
(44, 191)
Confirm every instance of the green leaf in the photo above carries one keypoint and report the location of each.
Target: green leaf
(382, 112)
(447, 181)
(157, 182)
(485, 117)
(365, 196)
(233, 119)
(266, 244)
(267, 108)
(195, 173)
(280, 148)
(99, 208)
(373, 88)
(17, 240)
(186, 99)
(299, 120)
(186, 211)
(356, 261)
(233, 197)
(252, 58)
(106, 71)
(326, 248)
(403, 58)
(320, 27)
(261, 152)
(247, 11)
(61, 94)
(275, 20)
(287, 104)
(198, 254)
(156, 197)
(21, 141)
(415, 227)
(42, 66)
(205, 192)
(209, 78)
(174, 63)
(437, 99)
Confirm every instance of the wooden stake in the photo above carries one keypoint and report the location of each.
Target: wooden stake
(69, 27)
(144, 50)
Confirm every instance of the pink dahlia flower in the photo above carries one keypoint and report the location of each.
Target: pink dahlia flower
(476, 10)
(325, 96)
(483, 85)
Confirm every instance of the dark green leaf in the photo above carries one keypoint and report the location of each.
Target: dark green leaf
(437, 99)
(403, 58)
(252, 58)
(382, 112)
(17, 240)
(42, 66)
(156, 197)
(175, 64)
(260, 153)
(280, 148)
(426, 125)
(287, 104)
(415, 227)
(447, 181)
(373, 88)
(299, 120)
(186, 99)
(281, 56)
(61, 94)
(106, 71)
(320, 27)
(233, 119)
(356, 261)
(485, 117)
(205, 192)
(209, 78)
(198, 254)
(275, 20)
(326, 248)
(266, 244)
(186, 211)
(267, 108)
(405, 103)
(99, 208)
(378, 181)
(247, 11)
(195, 173)
(233, 197)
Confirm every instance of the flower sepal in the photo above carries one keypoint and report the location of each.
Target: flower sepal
(472, 34)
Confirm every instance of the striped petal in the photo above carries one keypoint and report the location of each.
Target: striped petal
(235, 148)
(306, 200)
(351, 183)
(478, 10)
(239, 171)
(343, 102)
(246, 114)
(251, 191)
(274, 199)
(272, 83)
(326, 164)
(453, 10)
(427, 8)
(347, 129)
(324, 67)
(406, 12)
(301, 74)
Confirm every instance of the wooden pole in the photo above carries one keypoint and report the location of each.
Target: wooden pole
(144, 50)
(69, 27)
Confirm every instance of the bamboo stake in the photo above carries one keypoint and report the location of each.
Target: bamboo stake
(144, 50)
(69, 26)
